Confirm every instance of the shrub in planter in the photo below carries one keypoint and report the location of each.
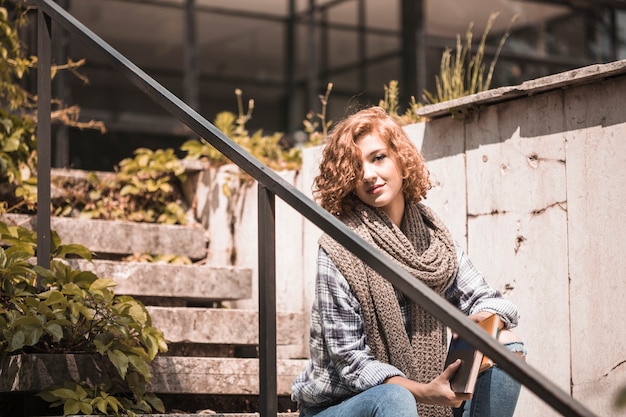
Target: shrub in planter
(62, 310)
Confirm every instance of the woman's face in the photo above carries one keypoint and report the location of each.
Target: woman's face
(381, 183)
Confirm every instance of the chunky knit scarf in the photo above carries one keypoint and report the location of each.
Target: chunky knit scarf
(424, 248)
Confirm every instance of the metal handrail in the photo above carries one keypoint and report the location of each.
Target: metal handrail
(271, 185)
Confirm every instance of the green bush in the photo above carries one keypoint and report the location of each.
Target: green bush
(62, 310)
(266, 148)
(145, 188)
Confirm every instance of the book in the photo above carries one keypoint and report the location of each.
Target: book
(472, 360)
(492, 326)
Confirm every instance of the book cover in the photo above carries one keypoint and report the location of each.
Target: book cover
(491, 325)
(473, 361)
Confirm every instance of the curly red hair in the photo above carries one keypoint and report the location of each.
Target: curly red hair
(340, 167)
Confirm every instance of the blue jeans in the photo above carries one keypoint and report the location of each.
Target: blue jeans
(495, 395)
(386, 400)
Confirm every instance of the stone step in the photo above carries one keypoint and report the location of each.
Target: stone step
(170, 374)
(194, 283)
(122, 237)
(223, 326)
(212, 414)
(225, 376)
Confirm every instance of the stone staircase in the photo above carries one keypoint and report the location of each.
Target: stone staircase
(212, 364)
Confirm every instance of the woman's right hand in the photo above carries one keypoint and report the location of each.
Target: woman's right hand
(437, 391)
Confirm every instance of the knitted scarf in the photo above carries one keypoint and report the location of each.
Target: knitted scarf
(422, 246)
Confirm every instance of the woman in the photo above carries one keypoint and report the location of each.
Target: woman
(373, 351)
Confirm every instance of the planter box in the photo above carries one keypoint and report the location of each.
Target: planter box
(34, 372)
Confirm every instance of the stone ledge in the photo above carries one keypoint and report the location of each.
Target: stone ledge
(192, 282)
(223, 326)
(566, 79)
(232, 376)
(122, 237)
(204, 414)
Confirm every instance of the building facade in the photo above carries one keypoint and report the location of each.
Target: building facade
(283, 53)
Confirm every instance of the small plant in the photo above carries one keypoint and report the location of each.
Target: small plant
(145, 188)
(311, 125)
(18, 142)
(62, 310)
(266, 148)
(18, 158)
(391, 104)
(462, 74)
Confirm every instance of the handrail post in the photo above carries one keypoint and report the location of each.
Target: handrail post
(44, 147)
(268, 395)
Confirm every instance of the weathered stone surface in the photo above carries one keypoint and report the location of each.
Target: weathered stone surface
(222, 326)
(512, 165)
(175, 374)
(440, 144)
(120, 237)
(214, 415)
(191, 282)
(596, 228)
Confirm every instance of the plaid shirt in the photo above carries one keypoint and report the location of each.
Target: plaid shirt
(342, 364)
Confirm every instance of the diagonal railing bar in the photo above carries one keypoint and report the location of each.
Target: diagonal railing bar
(273, 184)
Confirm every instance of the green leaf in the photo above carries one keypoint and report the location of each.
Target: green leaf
(28, 321)
(53, 297)
(129, 189)
(138, 312)
(33, 335)
(102, 283)
(43, 272)
(155, 402)
(152, 346)
(86, 408)
(73, 249)
(85, 311)
(71, 406)
(80, 391)
(119, 360)
(114, 403)
(47, 396)
(101, 405)
(19, 252)
(64, 394)
(55, 331)
(56, 241)
(102, 341)
(83, 279)
(141, 366)
(72, 289)
(17, 341)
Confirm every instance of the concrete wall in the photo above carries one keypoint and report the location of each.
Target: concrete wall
(531, 181)
(535, 186)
